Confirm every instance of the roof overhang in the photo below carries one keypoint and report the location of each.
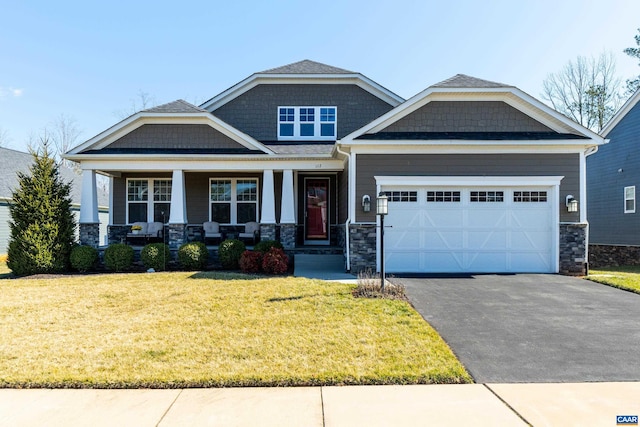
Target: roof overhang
(510, 95)
(137, 120)
(622, 112)
(337, 79)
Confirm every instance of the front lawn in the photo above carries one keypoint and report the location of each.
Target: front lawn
(210, 329)
(625, 277)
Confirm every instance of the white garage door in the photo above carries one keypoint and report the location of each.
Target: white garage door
(483, 229)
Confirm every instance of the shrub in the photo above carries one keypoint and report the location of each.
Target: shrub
(369, 286)
(264, 245)
(275, 261)
(251, 262)
(156, 256)
(118, 257)
(83, 258)
(193, 256)
(229, 253)
(42, 226)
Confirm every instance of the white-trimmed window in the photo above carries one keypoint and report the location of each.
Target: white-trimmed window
(401, 196)
(233, 200)
(630, 199)
(140, 207)
(443, 196)
(307, 123)
(486, 196)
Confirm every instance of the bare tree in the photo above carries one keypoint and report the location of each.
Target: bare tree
(141, 102)
(64, 134)
(634, 52)
(586, 90)
(5, 139)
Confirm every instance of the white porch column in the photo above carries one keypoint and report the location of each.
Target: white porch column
(268, 215)
(89, 198)
(287, 211)
(178, 214)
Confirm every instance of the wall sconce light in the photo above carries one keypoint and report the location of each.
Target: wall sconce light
(571, 203)
(366, 203)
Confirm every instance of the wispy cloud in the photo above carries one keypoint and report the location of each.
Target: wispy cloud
(10, 92)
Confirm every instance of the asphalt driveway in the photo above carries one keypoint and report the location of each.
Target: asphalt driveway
(534, 327)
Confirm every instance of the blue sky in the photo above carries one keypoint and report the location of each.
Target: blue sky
(89, 60)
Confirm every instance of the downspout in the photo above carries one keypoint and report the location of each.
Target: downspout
(348, 221)
(589, 151)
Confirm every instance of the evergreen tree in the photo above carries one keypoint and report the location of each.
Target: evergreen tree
(42, 225)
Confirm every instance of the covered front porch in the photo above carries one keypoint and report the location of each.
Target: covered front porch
(298, 207)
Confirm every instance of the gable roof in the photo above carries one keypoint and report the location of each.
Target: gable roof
(303, 72)
(622, 112)
(306, 66)
(179, 106)
(466, 88)
(463, 80)
(176, 112)
(13, 161)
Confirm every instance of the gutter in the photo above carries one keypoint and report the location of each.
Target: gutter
(348, 221)
(589, 151)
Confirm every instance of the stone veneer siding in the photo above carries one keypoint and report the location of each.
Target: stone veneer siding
(573, 246)
(177, 235)
(90, 234)
(267, 232)
(288, 236)
(573, 249)
(613, 255)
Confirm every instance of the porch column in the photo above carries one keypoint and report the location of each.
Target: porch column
(178, 213)
(268, 215)
(287, 212)
(88, 221)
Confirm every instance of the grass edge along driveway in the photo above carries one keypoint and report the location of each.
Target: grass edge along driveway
(181, 329)
(622, 277)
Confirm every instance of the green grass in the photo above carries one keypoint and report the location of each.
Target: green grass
(624, 277)
(206, 329)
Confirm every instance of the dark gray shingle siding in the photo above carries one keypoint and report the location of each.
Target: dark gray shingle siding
(608, 224)
(255, 112)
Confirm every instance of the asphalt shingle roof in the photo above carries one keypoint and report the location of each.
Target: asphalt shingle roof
(12, 162)
(302, 149)
(179, 106)
(465, 81)
(307, 67)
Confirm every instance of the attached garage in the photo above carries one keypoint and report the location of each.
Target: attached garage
(471, 224)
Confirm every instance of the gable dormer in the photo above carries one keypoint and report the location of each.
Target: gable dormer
(302, 102)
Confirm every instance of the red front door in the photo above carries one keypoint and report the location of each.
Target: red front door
(317, 209)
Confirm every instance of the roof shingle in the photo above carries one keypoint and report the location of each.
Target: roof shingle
(307, 67)
(465, 81)
(179, 106)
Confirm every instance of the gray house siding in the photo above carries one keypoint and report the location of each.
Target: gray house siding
(370, 165)
(5, 232)
(616, 165)
(467, 116)
(176, 136)
(255, 112)
(343, 195)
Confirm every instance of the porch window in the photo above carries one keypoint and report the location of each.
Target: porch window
(307, 123)
(140, 207)
(234, 200)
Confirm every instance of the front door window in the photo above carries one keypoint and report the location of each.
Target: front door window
(317, 213)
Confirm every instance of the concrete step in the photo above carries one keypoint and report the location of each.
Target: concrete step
(321, 266)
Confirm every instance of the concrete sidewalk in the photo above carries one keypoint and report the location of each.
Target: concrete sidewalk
(414, 405)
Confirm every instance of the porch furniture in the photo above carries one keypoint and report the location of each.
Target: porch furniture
(150, 232)
(251, 232)
(211, 231)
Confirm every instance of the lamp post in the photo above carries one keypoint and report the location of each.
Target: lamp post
(382, 208)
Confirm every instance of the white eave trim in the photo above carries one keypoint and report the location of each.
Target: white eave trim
(132, 123)
(510, 95)
(265, 78)
(622, 112)
(212, 164)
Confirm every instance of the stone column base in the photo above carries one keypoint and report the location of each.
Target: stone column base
(90, 234)
(362, 245)
(267, 232)
(573, 249)
(177, 235)
(288, 236)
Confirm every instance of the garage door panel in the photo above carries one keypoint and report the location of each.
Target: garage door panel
(464, 236)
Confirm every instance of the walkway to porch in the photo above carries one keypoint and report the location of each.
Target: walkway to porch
(321, 266)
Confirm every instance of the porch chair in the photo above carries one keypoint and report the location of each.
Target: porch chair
(155, 230)
(211, 231)
(251, 232)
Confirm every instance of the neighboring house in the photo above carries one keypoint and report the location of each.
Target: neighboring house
(477, 173)
(12, 162)
(613, 180)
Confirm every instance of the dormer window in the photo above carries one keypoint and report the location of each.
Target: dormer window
(307, 123)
